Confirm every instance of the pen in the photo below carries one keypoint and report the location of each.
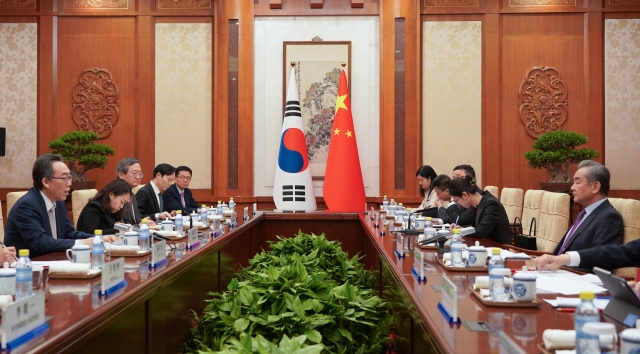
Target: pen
(569, 309)
(457, 219)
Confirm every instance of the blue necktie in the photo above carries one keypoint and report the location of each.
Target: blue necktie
(160, 199)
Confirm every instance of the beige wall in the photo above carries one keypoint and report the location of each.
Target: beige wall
(183, 98)
(18, 101)
(622, 102)
(451, 94)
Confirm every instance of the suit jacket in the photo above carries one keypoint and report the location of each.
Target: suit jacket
(611, 256)
(602, 227)
(147, 202)
(28, 226)
(93, 217)
(171, 198)
(131, 217)
(491, 220)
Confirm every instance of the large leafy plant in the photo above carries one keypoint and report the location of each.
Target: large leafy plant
(81, 153)
(556, 151)
(306, 286)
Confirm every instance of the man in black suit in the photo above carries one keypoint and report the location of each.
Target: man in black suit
(38, 221)
(466, 214)
(179, 196)
(149, 197)
(451, 213)
(129, 170)
(595, 236)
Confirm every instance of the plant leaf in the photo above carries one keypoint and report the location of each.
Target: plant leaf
(346, 334)
(241, 324)
(233, 285)
(313, 335)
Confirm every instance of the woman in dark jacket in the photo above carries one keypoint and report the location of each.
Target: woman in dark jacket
(491, 219)
(105, 209)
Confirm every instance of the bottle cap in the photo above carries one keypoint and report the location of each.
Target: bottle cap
(144, 221)
(178, 212)
(231, 198)
(97, 232)
(23, 253)
(385, 196)
(399, 203)
(495, 251)
(219, 201)
(456, 231)
(587, 295)
(204, 205)
(428, 218)
(409, 209)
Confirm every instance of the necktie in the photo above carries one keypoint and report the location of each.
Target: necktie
(160, 202)
(52, 221)
(182, 198)
(573, 229)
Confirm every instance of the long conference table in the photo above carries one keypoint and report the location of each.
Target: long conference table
(153, 313)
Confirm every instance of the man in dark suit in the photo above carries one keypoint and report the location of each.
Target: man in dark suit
(467, 215)
(178, 196)
(599, 223)
(129, 170)
(149, 197)
(595, 236)
(38, 221)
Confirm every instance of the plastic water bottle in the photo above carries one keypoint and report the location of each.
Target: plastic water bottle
(428, 222)
(456, 237)
(179, 222)
(385, 203)
(496, 260)
(586, 312)
(399, 212)
(496, 284)
(232, 204)
(203, 216)
(143, 241)
(456, 255)
(392, 207)
(97, 251)
(24, 276)
(220, 210)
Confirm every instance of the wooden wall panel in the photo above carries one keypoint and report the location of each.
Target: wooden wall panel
(329, 7)
(104, 43)
(534, 40)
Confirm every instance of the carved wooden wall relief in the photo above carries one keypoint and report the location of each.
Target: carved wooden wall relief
(542, 2)
(543, 101)
(95, 102)
(451, 2)
(96, 4)
(184, 4)
(17, 4)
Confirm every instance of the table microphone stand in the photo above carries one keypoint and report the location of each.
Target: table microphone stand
(409, 230)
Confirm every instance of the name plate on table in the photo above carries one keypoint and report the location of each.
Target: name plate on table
(255, 208)
(159, 253)
(448, 304)
(112, 276)
(399, 251)
(23, 320)
(246, 213)
(192, 240)
(418, 265)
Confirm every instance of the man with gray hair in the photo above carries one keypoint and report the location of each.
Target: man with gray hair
(598, 224)
(129, 170)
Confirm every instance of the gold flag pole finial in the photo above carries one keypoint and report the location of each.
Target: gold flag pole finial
(344, 64)
(293, 63)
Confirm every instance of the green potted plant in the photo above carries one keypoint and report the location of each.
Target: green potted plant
(556, 151)
(81, 153)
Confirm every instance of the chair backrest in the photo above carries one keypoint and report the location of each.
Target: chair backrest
(493, 190)
(511, 199)
(79, 199)
(136, 189)
(554, 220)
(1, 224)
(531, 209)
(630, 211)
(12, 198)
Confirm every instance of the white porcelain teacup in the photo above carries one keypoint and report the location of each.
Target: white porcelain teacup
(477, 256)
(80, 253)
(524, 286)
(419, 222)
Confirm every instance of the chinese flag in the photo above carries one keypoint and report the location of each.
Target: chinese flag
(343, 186)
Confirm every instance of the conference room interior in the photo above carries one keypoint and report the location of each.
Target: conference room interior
(202, 83)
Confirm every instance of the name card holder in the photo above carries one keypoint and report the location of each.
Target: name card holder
(372, 214)
(418, 266)
(192, 238)
(246, 214)
(448, 304)
(112, 277)
(159, 254)
(255, 209)
(22, 321)
(399, 251)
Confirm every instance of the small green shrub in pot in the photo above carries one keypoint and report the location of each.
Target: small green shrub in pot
(81, 153)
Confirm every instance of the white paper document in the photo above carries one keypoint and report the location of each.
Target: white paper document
(565, 285)
(574, 302)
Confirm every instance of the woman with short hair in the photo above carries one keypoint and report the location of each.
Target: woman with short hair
(105, 209)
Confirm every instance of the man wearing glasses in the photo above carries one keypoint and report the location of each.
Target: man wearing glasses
(39, 221)
(179, 196)
(129, 170)
(149, 197)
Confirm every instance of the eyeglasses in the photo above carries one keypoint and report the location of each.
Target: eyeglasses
(184, 178)
(66, 179)
(137, 174)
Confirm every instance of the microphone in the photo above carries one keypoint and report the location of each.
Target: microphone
(160, 237)
(409, 230)
(438, 238)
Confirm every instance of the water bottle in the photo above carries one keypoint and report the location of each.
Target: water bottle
(179, 223)
(203, 216)
(399, 213)
(495, 261)
(456, 254)
(97, 251)
(586, 312)
(385, 203)
(428, 222)
(392, 207)
(143, 241)
(24, 276)
(232, 204)
(220, 210)
(456, 237)
(496, 284)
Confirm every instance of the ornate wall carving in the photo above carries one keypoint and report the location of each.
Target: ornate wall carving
(184, 4)
(96, 4)
(17, 4)
(542, 2)
(451, 2)
(543, 101)
(95, 102)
